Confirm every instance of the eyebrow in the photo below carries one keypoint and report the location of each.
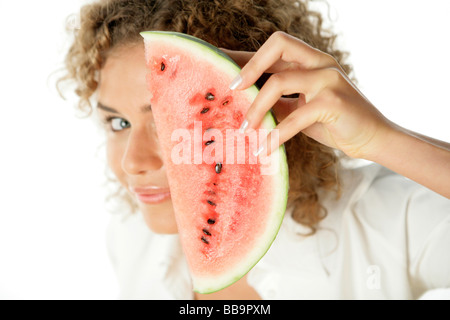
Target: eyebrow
(143, 109)
(146, 108)
(105, 108)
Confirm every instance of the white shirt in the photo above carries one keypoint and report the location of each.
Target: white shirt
(386, 237)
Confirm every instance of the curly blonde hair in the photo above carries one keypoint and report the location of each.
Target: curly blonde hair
(233, 24)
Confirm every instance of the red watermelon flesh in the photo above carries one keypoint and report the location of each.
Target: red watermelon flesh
(228, 205)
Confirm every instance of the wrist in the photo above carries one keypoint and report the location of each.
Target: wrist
(384, 140)
(413, 156)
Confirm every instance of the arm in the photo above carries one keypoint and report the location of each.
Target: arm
(419, 158)
(334, 112)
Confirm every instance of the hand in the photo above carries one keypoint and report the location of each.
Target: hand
(330, 109)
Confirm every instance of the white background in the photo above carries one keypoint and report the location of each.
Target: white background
(52, 211)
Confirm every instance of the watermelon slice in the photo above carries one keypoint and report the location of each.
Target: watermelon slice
(228, 204)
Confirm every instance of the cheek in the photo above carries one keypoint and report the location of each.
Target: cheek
(115, 150)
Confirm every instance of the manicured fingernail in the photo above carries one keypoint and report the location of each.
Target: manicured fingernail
(236, 82)
(243, 126)
(258, 152)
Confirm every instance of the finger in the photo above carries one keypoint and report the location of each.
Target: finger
(242, 57)
(297, 121)
(281, 46)
(306, 82)
(285, 106)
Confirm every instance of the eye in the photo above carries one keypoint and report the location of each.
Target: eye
(118, 124)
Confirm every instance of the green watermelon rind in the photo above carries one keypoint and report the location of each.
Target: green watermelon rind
(228, 65)
(201, 44)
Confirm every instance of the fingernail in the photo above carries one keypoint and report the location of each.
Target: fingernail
(236, 82)
(243, 126)
(258, 152)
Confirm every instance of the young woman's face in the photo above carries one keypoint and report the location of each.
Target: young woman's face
(133, 149)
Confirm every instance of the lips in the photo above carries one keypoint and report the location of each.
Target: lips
(151, 194)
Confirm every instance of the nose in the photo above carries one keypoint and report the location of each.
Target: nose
(142, 152)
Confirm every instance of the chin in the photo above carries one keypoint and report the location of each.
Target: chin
(159, 218)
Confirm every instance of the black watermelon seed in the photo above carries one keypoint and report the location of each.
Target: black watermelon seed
(209, 96)
(206, 232)
(214, 183)
(225, 102)
(211, 221)
(207, 143)
(204, 240)
(163, 66)
(211, 203)
(204, 110)
(218, 167)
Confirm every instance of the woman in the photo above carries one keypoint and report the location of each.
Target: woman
(370, 233)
